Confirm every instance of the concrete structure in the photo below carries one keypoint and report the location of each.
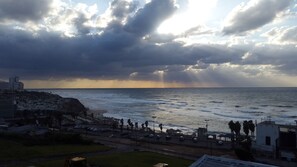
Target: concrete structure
(13, 84)
(267, 136)
(213, 161)
(278, 141)
(201, 132)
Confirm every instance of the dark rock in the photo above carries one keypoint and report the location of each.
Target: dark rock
(72, 105)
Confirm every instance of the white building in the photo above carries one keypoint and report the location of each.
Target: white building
(267, 136)
(279, 141)
(13, 84)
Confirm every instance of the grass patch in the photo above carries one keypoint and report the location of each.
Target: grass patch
(133, 159)
(13, 150)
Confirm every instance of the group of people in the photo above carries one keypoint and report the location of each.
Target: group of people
(130, 125)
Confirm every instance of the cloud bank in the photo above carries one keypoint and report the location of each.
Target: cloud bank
(253, 15)
(23, 11)
(118, 45)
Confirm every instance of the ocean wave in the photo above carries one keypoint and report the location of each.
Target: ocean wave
(233, 116)
(219, 102)
(284, 106)
(205, 111)
(250, 112)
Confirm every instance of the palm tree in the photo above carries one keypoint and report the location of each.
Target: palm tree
(237, 128)
(246, 128)
(251, 126)
(232, 128)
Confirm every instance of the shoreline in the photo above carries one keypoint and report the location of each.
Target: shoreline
(100, 114)
(186, 109)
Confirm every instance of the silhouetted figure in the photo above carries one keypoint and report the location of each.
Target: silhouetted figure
(122, 121)
(161, 127)
(142, 126)
(146, 124)
(132, 126)
(114, 125)
(136, 125)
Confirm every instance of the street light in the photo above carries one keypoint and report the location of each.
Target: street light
(206, 124)
(154, 117)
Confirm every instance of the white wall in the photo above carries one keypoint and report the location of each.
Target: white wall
(267, 129)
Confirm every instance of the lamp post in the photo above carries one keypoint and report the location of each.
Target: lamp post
(206, 124)
(208, 140)
(154, 117)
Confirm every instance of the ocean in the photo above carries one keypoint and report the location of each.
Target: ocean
(189, 108)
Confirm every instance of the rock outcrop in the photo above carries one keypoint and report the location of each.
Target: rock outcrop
(45, 102)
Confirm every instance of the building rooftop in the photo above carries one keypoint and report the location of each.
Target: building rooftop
(213, 161)
(294, 126)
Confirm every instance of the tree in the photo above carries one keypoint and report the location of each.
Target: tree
(246, 128)
(237, 128)
(231, 126)
(251, 127)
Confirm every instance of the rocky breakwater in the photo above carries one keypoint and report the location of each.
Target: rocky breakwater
(44, 102)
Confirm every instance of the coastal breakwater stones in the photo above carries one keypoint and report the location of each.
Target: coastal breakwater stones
(46, 102)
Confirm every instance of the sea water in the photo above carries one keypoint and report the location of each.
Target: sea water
(190, 108)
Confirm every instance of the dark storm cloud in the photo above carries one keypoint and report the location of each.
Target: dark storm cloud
(254, 15)
(116, 54)
(282, 57)
(23, 10)
(113, 54)
(120, 51)
(150, 16)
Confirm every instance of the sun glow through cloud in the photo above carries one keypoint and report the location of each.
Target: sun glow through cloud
(149, 43)
(197, 13)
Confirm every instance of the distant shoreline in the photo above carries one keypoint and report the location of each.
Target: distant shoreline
(163, 88)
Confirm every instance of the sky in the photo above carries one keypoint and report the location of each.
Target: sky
(149, 43)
